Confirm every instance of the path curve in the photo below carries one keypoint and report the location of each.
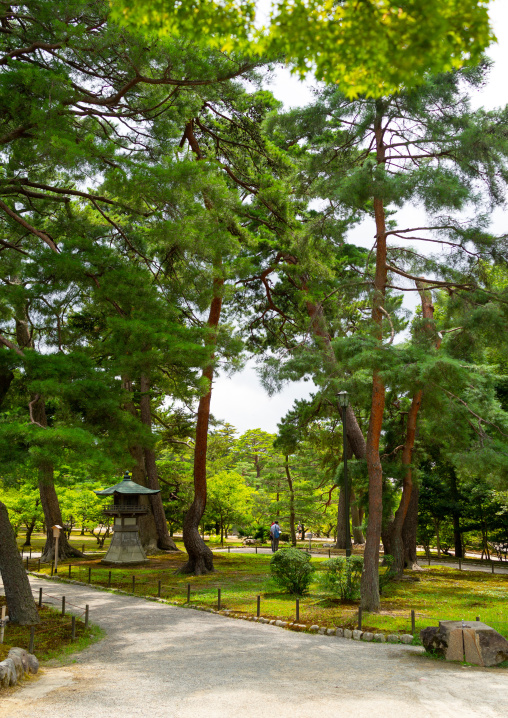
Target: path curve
(163, 661)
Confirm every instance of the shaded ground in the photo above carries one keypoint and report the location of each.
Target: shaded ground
(168, 662)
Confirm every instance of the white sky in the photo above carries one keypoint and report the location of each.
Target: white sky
(240, 399)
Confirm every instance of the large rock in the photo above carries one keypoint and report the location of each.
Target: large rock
(472, 641)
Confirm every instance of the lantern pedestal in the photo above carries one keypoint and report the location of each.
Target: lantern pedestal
(125, 547)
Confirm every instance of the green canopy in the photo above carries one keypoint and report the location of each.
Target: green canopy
(126, 486)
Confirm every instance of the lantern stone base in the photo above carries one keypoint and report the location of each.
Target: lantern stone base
(125, 548)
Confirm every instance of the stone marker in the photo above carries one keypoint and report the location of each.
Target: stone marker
(472, 641)
(367, 636)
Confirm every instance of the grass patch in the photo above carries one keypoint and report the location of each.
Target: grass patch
(52, 635)
(437, 593)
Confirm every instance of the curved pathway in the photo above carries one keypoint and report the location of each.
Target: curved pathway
(163, 661)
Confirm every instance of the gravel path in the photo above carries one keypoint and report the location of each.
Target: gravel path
(162, 661)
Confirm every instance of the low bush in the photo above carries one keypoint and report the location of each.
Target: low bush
(292, 570)
(342, 576)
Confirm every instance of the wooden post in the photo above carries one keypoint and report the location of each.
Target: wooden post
(39, 566)
(109, 579)
(492, 564)
(30, 552)
(56, 551)
(89, 574)
(63, 605)
(229, 549)
(40, 598)
(428, 557)
(83, 549)
(32, 639)
(27, 563)
(413, 622)
(70, 569)
(259, 606)
(133, 583)
(329, 553)
(297, 609)
(2, 624)
(188, 593)
(73, 629)
(359, 618)
(86, 615)
(218, 599)
(460, 564)
(159, 589)
(256, 548)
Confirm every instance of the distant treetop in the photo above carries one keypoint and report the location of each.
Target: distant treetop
(371, 47)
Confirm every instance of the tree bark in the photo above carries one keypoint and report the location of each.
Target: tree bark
(164, 541)
(18, 593)
(370, 600)
(292, 529)
(356, 520)
(200, 556)
(409, 530)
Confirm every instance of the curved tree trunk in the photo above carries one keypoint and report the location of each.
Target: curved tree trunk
(18, 592)
(292, 529)
(397, 541)
(200, 556)
(164, 541)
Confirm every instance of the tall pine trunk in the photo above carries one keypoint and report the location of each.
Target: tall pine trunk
(200, 556)
(18, 592)
(409, 530)
(370, 600)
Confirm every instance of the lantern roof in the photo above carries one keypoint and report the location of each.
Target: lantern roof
(126, 486)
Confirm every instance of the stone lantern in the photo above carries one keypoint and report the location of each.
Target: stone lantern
(125, 547)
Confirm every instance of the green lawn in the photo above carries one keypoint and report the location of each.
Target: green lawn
(436, 593)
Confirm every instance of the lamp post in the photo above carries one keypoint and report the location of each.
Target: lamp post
(343, 398)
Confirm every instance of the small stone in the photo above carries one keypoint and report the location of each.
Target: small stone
(330, 631)
(255, 618)
(33, 663)
(379, 638)
(348, 633)
(322, 630)
(406, 638)
(272, 622)
(367, 636)
(279, 623)
(339, 633)
(314, 628)
(392, 638)
(357, 635)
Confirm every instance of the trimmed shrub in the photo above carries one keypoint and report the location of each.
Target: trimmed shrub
(342, 576)
(292, 570)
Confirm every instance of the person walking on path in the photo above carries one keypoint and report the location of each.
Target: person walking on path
(275, 535)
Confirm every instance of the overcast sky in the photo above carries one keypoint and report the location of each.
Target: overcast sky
(240, 399)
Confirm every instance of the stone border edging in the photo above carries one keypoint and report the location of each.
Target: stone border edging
(14, 667)
(356, 634)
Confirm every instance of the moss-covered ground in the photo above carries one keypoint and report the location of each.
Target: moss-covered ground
(436, 593)
(53, 636)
